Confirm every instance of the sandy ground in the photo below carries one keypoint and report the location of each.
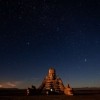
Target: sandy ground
(52, 97)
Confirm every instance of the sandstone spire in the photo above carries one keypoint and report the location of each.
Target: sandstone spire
(51, 82)
(68, 90)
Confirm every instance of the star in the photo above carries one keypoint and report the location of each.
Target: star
(85, 60)
(27, 43)
(57, 29)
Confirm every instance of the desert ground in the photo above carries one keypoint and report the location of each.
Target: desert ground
(79, 94)
(52, 97)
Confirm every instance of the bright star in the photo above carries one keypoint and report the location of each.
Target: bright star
(85, 60)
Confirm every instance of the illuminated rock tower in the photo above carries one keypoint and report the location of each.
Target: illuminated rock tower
(52, 83)
(68, 90)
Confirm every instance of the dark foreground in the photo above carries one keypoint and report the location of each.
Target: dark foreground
(52, 97)
(79, 94)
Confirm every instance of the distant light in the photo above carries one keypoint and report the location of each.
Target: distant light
(51, 89)
(0, 86)
(85, 60)
(28, 43)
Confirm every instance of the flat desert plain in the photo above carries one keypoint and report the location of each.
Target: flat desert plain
(52, 97)
(79, 94)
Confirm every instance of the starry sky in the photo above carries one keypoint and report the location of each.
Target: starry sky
(38, 34)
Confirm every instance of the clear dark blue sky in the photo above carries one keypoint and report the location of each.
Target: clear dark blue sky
(38, 34)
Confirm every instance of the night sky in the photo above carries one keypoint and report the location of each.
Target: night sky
(38, 34)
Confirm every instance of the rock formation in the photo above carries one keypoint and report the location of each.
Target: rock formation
(52, 83)
(68, 90)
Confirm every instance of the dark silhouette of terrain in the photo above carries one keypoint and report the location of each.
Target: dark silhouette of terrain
(79, 94)
(52, 97)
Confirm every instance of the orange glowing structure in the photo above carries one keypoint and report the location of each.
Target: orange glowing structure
(68, 90)
(52, 83)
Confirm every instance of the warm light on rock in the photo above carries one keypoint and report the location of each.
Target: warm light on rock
(68, 90)
(52, 82)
